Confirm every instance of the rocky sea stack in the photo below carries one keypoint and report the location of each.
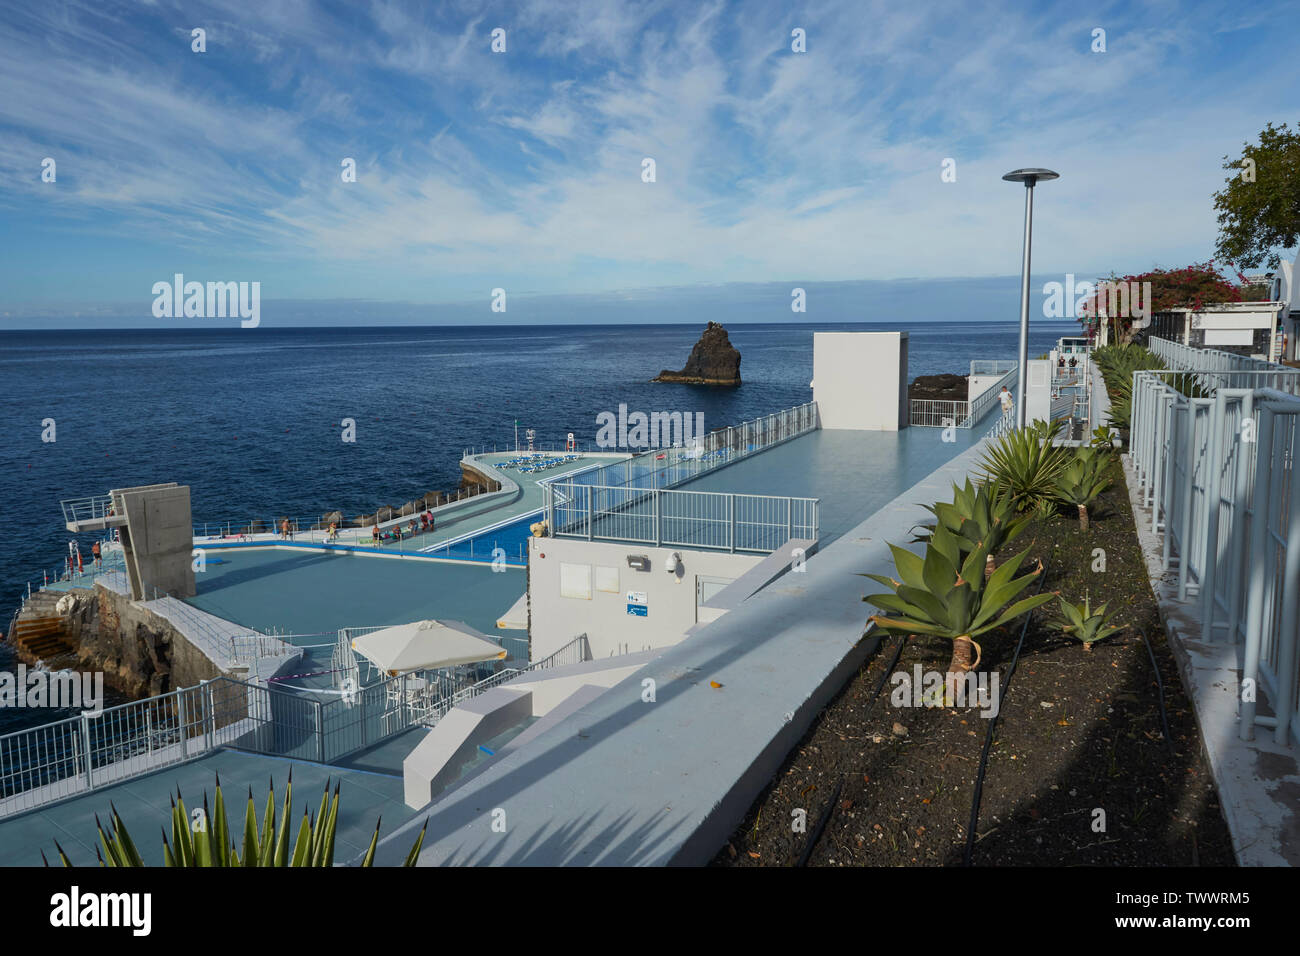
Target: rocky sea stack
(713, 361)
(950, 388)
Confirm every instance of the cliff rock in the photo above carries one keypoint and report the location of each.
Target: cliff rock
(713, 361)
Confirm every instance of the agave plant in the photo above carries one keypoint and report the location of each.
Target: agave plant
(1046, 430)
(1088, 625)
(1083, 479)
(1025, 469)
(977, 515)
(204, 840)
(944, 594)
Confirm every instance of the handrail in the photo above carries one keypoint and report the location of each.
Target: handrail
(980, 405)
(86, 509)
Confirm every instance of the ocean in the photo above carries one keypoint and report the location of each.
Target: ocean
(251, 419)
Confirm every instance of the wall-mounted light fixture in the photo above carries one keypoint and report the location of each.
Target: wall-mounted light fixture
(638, 562)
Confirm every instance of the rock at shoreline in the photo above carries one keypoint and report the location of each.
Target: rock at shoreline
(944, 388)
(713, 361)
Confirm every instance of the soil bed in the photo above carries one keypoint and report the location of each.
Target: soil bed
(1079, 731)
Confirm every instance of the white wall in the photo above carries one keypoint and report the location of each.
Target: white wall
(603, 615)
(976, 385)
(1038, 390)
(860, 380)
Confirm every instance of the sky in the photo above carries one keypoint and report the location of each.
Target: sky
(523, 170)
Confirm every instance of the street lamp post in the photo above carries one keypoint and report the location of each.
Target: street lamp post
(1029, 177)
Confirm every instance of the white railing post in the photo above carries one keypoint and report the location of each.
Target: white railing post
(1213, 488)
(731, 523)
(1289, 599)
(1257, 572)
(90, 754)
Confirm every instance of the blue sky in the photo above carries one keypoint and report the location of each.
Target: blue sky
(522, 170)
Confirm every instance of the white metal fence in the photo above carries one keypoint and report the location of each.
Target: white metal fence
(692, 519)
(668, 467)
(937, 412)
(947, 413)
(1215, 463)
(1213, 368)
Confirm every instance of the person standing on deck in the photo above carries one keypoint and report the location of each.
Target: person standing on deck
(96, 555)
(1008, 403)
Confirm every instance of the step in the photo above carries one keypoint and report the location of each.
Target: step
(43, 645)
(38, 625)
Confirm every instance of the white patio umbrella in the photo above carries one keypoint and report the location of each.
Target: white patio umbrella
(426, 645)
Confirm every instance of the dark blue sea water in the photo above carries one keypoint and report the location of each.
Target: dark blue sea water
(250, 419)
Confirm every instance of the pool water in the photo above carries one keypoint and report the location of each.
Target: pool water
(512, 539)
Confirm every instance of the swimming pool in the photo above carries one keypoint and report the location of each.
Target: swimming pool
(511, 538)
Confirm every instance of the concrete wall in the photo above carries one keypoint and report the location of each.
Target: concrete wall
(551, 687)
(158, 539)
(603, 615)
(437, 759)
(860, 380)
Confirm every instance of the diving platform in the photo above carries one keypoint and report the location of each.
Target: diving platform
(82, 515)
(156, 532)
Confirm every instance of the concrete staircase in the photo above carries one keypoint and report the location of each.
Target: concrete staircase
(39, 631)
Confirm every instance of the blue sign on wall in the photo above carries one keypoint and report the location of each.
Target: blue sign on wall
(637, 606)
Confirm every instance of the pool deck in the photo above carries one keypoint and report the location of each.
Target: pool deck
(625, 782)
(308, 587)
(318, 592)
(854, 473)
(144, 806)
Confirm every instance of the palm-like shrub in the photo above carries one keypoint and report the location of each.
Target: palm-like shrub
(1103, 437)
(1084, 623)
(977, 515)
(1025, 468)
(1117, 364)
(1083, 479)
(204, 840)
(945, 595)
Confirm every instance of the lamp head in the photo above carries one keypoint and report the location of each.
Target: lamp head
(1030, 176)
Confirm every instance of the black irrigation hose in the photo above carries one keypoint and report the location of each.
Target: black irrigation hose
(825, 818)
(1160, 686)
(988, 737)
(821, 825)
(898, 652)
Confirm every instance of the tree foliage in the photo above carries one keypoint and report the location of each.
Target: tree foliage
(1259, 206)
(1191, 287)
